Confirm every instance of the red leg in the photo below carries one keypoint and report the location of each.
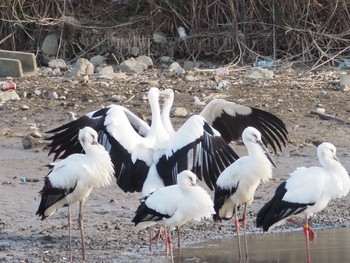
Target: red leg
(309, 235)
(244, 221)
(237, 231)
(80, 222)
(307, 238)
(69, 224)
(312, 233)
(157, 236)
(170, 244)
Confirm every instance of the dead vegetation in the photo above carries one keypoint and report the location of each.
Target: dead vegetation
(314, 32)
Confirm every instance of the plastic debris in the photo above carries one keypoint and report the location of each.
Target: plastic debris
(223, 71)
(182, 32)
(221, 85)
(265, 63)
(345, 64)
(7, 86)
(28, 180)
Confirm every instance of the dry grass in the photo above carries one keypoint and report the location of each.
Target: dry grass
(310, 32)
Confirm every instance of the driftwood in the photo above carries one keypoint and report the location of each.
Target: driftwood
(325, 116)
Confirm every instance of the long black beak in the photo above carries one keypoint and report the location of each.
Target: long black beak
(267, 154)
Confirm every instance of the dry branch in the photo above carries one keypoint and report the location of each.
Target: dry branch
(316, 32)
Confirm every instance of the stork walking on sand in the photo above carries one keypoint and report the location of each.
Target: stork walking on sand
(72, 179)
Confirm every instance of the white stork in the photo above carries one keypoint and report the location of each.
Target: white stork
(237, 184)
(196, 145)
(306, 192)
(174, 205)
(72, 179)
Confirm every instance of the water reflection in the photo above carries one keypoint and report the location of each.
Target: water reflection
(331, 245)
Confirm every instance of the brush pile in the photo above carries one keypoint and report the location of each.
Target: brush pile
(313, 32)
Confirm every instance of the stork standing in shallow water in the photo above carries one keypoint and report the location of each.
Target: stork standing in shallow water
(306, 192)
(237, 184)
(174, 205)
(72, 179)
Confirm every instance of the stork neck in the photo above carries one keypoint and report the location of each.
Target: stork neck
(156, 125)
(165, 115)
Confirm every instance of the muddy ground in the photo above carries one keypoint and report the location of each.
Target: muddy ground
(110, 236)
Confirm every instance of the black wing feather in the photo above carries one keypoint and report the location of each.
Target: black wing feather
(144, 213)
(272, 128)
(220, 196)
(276, 209)
(130, 177)
(51, 195)
(215, 156)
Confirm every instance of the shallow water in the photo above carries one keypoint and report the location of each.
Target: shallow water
(331, 245)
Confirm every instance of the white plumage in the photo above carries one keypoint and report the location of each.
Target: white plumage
(237, 184)
(72, 179)
(306, 192)
(141, 153)
(174, 205)
(135, 147)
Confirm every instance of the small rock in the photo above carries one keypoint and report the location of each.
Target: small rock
(37, 92)
(108, 70)
(259, 73)
(29, 142)
(71, 116)
(179, 112)
(132, 66)
(84, 79)
(9, 95)
(145, 60)
(189, 65)
(52, 95)
(56, 71)
(70, 20)
(50, 45)
(47, 71)
(321, 110)
(117, 98)
(104, 84)
(221, 85)
(174, 67)
(82, 67)
(180, 71)
(113, 201)
(24, 107)
(58, 63)
(197, 102)
(98, 60)
(165, 59)
(134, 51)
(36, 134)
(120, 75)
(344, 83)
(191, 78)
